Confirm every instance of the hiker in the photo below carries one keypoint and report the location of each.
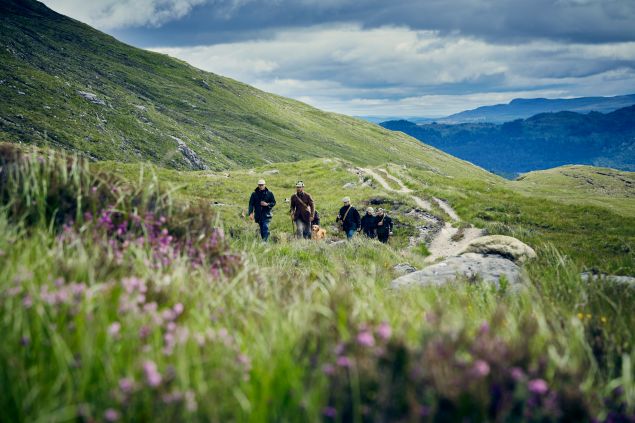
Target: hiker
(369, 223)
(302, 211)
(260, 204)
(384, 226)
(349, 218)
(316, 219)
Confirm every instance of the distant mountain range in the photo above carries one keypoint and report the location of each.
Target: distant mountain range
(523, 108)
(543, 141)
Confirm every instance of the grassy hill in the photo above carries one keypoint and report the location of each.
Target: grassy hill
(578, 184)
(51, 66)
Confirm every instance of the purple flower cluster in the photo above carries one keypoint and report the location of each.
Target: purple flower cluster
(117, 231)
(445, 375)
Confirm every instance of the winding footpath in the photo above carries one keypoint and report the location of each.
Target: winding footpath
(442, 245)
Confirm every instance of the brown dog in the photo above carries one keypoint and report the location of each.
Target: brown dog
(317, 233)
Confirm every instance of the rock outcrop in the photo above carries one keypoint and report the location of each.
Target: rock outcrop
(92, 98)
(404, 268)
(504, 246)
(470, 266)
(189, 155)
(622, 280)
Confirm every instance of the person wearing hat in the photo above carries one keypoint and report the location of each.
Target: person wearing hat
(369, 223)
(260, 204)
(302, 210)
(384, 226)
(349, 218)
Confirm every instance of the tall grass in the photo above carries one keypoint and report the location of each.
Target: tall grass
(293, 331)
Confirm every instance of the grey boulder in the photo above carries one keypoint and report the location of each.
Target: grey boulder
(470, 266)
(403, 268)
(505, 246)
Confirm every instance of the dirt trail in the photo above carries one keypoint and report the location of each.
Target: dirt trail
(442, 245)
(382, 181)
(403, 189)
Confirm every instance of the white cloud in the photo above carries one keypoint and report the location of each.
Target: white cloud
(399, 71)
(114, 14)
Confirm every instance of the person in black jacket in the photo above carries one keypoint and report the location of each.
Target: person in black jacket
(369, 223)
(349, 218)
(260, 204)
(316, 219)
(384, 226)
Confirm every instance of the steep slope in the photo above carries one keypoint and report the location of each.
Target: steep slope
(542, 141)
(65, 84)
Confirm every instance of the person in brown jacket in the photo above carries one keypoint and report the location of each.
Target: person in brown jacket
(302, 211)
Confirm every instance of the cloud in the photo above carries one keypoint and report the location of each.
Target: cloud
(497, 21)
(409, 57)
(400, 71)
(112, 14)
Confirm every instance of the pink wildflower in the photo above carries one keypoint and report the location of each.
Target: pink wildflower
(517, 374)
(343, 361)
(126, 385)
(538, 386)
(153, 377)
(27, 301)
(481, 368)
(330, 412)
(328, 369)
(365, 339)
(384, 331)
(111, 415)
(114, 329)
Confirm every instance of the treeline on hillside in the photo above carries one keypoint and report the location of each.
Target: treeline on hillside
(542, 141)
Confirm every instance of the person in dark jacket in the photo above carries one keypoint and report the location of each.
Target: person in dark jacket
(384, 226)
(302, 211)
(260, 204)
(316, 219)
(369, 223)
(349, 218)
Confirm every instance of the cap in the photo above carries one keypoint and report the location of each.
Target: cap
(346, 200)
(261, 182)
(370, 210)
(299, 184)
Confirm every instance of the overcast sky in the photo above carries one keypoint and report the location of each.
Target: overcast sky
(389, 58)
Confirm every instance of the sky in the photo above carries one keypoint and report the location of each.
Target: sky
(400, 58)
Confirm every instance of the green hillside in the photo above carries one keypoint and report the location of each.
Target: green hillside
(578, 184)
(140, 292)
(144, 103)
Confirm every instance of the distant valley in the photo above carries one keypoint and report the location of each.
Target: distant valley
(542, 141)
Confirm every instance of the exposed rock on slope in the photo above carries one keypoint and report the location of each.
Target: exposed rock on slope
(505, 246)
(469, 266)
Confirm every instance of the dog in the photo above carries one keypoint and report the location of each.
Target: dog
(317, 233)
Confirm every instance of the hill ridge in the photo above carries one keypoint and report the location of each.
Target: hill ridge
(68, 85)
